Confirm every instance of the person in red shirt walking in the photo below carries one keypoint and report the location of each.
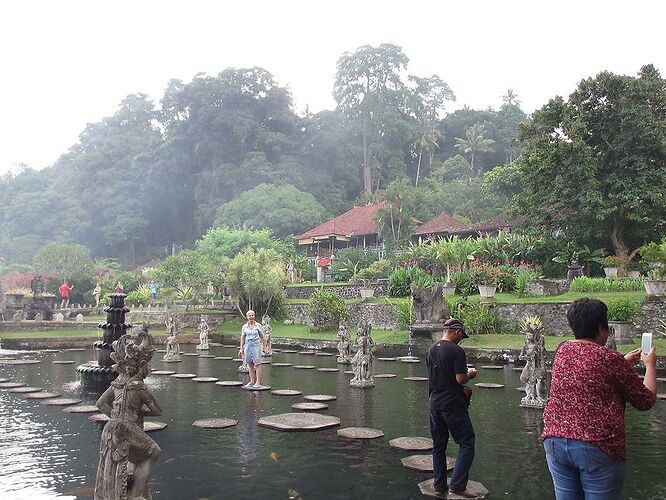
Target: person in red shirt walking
(584, 435)
(64, 293)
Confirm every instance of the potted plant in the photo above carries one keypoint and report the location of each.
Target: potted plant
(611, 264)
(655, 255)
(366, 291)
(621, 314)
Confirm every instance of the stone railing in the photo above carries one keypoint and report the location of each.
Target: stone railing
(344, 291)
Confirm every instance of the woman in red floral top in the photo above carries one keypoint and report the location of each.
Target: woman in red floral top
(584, 434)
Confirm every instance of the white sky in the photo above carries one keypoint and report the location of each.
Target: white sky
(65, 63)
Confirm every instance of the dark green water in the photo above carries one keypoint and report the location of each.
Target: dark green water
(45, 452)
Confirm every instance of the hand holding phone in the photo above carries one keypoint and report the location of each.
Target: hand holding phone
(646, 342)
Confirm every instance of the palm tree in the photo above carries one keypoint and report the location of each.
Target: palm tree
(475, 142)
(511, 98)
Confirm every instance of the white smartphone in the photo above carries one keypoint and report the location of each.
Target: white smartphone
(646, 342)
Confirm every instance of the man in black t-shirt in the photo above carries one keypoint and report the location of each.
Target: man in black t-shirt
(447, 373)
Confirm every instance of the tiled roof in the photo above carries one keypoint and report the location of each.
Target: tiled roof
(493, 224)
(443, 223)
(358, 221)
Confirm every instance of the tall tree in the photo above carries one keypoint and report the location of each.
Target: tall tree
(475, 142)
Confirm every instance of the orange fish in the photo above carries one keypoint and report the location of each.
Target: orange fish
(273, 456)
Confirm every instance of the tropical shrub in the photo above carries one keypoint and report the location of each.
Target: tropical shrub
(583, 284)
(378, 269)
(401, 280)
(623, 310)
(480, 319)
(350, 261)
(137, 297)
(504, 276)
(405, 312)
(326, 309)
(522, 276)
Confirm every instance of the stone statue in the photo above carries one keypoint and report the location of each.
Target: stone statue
(610, 341)
(203, 333)
(362, 360)
(268, 330)
(429, 305)
(39, 317)
(534, 372)
(127, 455)
(18, 315)
(59, 317)
(344, 345)
(79, 318)
(172, 347)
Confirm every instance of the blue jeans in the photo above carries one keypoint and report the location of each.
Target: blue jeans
(582, 470)
(460, 427)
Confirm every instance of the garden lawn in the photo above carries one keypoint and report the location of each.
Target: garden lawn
(69, 332)
(511, 298)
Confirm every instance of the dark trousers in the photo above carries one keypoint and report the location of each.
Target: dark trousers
(460, 427)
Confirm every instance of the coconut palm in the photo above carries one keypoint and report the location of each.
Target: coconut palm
(475, 142)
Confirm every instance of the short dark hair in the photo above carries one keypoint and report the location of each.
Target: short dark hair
(585, 316)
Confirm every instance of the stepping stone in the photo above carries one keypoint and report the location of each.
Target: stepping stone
(214, 344)
(286, 392)
(360, 433)
(384, 359)
(349, 372)
(11, 385)
(42, 395)
(416, 379)
(281, 364)
(153, 426)
(265, 361)
(328, 370)
(50, 350)
(224, 358)
(492, 367)
(517, 368)
(64, 362)
(521, 389)
(76, 349)
(384, 375)
(488, 385)
(411, 443)
(163, 372)
(472, 486)
(320, 397)
(323, 354)
(161, 350)
(289, 351)
(3, 380)
(20, 361)
(171, 360)
(276, 350)
(183, 375)
(61, 402)
(189, 353)
(206, 356)
(99, 417)
(25, 390)
(304, 367)
(205, 380)
(237, 360)
(410, 360)
(81, 409)
(306, 353)
(215, 423)
(423, 463)
(260, 388)
(310, 406)
(229, 383)
(661, 379)
(230, 346)
(299, 422)
(661, 396)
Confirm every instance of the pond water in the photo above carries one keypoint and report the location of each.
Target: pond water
(47, 453)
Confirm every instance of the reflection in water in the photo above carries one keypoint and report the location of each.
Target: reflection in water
(249, 437)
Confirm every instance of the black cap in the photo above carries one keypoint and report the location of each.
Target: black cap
(455, 324)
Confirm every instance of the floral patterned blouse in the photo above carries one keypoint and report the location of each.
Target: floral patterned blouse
(589, 388)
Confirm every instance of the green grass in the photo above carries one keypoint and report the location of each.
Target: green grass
(511, 298)
(314, 283)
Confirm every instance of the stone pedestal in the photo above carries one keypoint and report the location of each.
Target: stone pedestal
(423, 335)
(621, 331)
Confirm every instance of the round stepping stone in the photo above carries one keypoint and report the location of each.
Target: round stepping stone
(299, 422)
(310, 406)
(304, 367)
(410, 360)
(328, 370)
(265, 361)
(276, 350)
(323, 354)
(237, 360)
(163, 372)
(661, 396)
(183, 375)
(76, 349)
(319, 397)
(349, 372)
(492, 367)
(25, 390)
(215, 423)
(281, 364)
(416, 379)
(489, 385)
(260, 388)
(384, 375)
(472, 486)
(230, 346)
(423, 463)
(661, 379)
(411, 443)
(81, 409)
(50, 350)
(161, 350)
(517, 368)
(286, 392)
(99, 417)
(289, 351)
(64, 362)
(153, 426)
(204, 380)
(224, 358)
(206, 356)
(42, 395)
(11, 385)
(306, 353)
(521, 389)
(385, 359)
(61, 402)
(170, 360)
(20, 361)
(190, 353)
(360, 433)
(3, 380)
(229, 383)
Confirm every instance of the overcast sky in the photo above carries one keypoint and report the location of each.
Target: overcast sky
(67, 63)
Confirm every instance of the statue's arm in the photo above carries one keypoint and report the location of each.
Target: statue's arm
(105, 402)
(150, 407)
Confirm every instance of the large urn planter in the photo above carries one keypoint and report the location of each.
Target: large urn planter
(633, 274)
(487, 292)
(622, 330)
(448, 289)
(655, 288)
(611, 272)
(366, 293)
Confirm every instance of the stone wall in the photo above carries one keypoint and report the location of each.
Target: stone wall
(383, 316)
(344, 291)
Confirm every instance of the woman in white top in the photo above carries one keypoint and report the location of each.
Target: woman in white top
(252, 345)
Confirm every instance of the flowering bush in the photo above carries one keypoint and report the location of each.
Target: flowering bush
(506, 277)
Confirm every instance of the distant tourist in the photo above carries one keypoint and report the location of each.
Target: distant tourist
(210, 291)
(448, 401)
(584, 434)
(290, 271)
(96, 293)
(225, 295)
(64, 290)
(252, 344)
(152, 286)
(119, 288)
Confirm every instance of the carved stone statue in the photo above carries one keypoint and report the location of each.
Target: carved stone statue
(611, 343)
(429, 305)
(344, 345)
(534, 372)
(59, 317)
(18, 315)
(363, 359)
(172, 347)
(39, 317)
(203, 333)
(79, 318)
(127, 455)
(268, 331)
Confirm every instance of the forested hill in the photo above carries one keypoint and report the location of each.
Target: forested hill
(231, 149)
